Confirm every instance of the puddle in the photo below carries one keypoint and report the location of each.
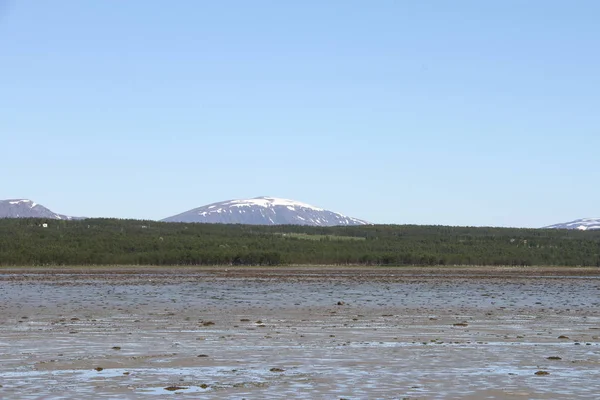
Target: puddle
(162, 391)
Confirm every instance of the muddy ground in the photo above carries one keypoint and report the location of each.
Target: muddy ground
(300, 332)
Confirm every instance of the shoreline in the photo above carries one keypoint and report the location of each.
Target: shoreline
(324, 271)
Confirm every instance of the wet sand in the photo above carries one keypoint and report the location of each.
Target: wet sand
(300, 332)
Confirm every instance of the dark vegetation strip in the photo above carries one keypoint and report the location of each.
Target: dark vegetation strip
(25, 242)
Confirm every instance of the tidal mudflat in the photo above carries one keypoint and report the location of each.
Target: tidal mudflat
(305, 333)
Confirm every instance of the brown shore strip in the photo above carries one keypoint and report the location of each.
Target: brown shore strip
(312, 271)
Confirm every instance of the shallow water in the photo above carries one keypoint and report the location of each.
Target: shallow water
(263, 337)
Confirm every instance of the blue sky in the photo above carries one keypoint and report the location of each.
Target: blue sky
(425, 112)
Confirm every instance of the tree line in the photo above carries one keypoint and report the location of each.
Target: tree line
(25, 242)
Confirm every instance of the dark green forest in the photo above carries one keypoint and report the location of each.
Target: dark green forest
(25, 242)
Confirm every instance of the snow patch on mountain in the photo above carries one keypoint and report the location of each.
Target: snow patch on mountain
(23, 201)
(270, 202)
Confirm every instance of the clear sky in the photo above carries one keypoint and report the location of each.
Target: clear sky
(427, 112)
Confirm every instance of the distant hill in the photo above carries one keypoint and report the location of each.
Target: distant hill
(583, 224)
(24, 208)
(264, 211)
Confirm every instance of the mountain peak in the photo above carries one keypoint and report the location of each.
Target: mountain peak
(582, 224)
(264, 210)
(25, 208)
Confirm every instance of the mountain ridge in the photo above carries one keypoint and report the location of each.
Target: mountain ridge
(263, 210)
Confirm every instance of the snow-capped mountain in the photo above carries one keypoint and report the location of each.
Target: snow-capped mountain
(23, 208)
(583, 224)
(264, 211)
